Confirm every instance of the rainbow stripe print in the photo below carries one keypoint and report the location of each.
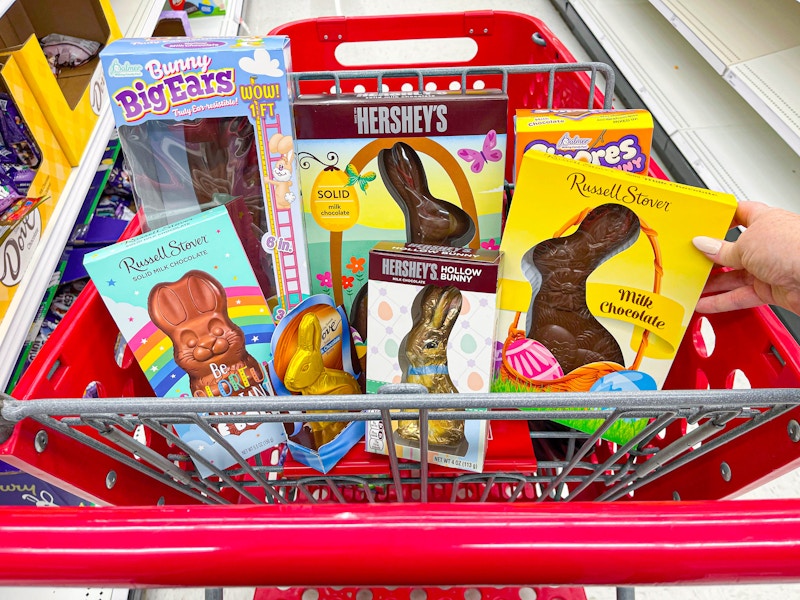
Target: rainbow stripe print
(154, 351)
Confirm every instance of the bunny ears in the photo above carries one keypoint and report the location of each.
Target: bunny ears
(281, 144)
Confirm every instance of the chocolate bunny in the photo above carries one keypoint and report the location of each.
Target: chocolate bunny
(307, 374)
(558, 269)
(207, 344)
(429, 220)
(424, 358)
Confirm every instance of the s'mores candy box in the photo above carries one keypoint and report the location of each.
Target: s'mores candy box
(620, 139)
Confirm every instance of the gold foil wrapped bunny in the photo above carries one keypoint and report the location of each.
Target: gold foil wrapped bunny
(425, 351)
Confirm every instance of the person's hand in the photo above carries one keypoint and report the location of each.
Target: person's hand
(765, 262)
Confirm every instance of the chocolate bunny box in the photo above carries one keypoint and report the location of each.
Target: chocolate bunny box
(313, 355)
(431, 317)
(411, 167)
(206, 120)
(189, 305)
(600, 278)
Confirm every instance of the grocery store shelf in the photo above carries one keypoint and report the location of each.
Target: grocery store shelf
(728, 32)
(754, 46)
(22, 309)
(136, 19)
(724, 140)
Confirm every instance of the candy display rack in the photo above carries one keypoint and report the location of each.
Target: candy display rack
(136, 19)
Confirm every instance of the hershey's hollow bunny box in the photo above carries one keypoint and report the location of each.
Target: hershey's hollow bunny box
(189, 305)
(431, 318)
(205, 120)
(413, 167)
(600, 278)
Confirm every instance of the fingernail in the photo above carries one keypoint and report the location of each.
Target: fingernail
(707, 245)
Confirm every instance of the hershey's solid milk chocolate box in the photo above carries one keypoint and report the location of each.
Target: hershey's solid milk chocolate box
(423, 168)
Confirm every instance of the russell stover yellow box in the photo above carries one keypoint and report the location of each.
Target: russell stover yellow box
(600, 278)
(619, 139)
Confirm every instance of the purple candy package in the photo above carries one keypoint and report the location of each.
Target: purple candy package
(8, 191)
(15, 134)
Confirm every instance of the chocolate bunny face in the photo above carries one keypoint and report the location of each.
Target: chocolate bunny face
(306, 372)
(307, 364)
(193, 313)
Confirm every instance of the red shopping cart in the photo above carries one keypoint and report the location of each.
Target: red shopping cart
(543, 511)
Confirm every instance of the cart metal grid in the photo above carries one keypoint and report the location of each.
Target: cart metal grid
(494, 528)
(574, 465)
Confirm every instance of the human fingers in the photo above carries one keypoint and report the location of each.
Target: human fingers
(742, 297)
(721, 252)
(747, 211)
(724, 281)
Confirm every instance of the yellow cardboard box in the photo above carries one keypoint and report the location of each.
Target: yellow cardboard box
(620, 139)
(600, 277)
(72, 101)
(51, 176)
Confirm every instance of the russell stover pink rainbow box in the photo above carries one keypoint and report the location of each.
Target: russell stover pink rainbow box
(188, 303)
(203, 121)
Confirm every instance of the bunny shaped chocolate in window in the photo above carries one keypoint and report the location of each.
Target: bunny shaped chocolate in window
(207, 344)
(424, 358)
(308, 375)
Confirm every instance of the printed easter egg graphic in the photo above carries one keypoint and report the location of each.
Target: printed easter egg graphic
(624, 381)
(468, 344)
(475, 382)
(532, 360)
(334, 201)
(385, 312)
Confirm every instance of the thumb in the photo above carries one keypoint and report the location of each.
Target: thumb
(721, 252)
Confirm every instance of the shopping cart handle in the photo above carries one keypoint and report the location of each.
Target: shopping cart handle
(625, 543)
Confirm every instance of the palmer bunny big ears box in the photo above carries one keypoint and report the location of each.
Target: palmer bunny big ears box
(189, 305)
(203, 121)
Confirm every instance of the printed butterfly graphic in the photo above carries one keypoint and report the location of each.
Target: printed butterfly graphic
(479, 158)
(353, 177)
